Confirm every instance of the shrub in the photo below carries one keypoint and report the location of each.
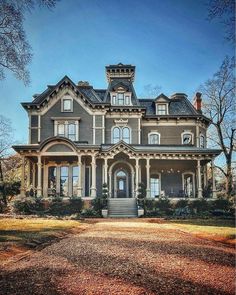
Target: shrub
(75, 205)
(98, 205)
(164, 206)
(22, 206)
(181, 203)
(89, 212)
(199, 205)
(150, 204)
(221, 204)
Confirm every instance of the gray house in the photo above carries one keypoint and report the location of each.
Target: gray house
(81, 138)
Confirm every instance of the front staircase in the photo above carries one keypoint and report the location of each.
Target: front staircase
(122, 207)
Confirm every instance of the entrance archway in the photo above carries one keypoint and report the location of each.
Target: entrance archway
(121, 183)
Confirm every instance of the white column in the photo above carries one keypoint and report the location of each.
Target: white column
(213, 179)
(105, 166)
(33, 176)
(199, 193)
(110, 185)
(22, 189)
(45, 180)
(136, 176)
(148, 191)
(39, 188)
(79, 185)
(93, 184)
(28, 175)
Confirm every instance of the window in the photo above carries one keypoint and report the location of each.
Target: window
(52, 178)
(126, 134)
(202, 141)
(67, 129)
(161, 109)
(121, 133)
(154, 138)
(187, 138)
(120, 99)
(114, 99)
(75, 177)
(116, 134)
(64, 187)
(67, 104)
(72, 131)
(127, 100)
(188, 185)
(155, 186)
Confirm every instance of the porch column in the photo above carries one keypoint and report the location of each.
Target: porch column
(132, 184)
(109, 186)
(79, 185)
(28, 175)
(22, 188)
(148, 191)
(199, 189)
(33, 176)
(136, 176)
(39, 188)
(213, 179)
(93, 185)
(105, 171)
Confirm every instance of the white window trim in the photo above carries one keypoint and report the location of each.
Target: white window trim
(66, 123)
(154, 133)
(167, 108)
(121, 133)
(182, 137)
(193, 174)
(65, 97)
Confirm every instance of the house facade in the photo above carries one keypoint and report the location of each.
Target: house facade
(81, 138)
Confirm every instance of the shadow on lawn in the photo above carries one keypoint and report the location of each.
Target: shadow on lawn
(202, 222)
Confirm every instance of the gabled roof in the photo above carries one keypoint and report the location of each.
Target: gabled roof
(85, 91)
(162, 97)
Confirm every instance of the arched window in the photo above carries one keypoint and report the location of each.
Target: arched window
(154, 138)
(121, 133)
(202, 141)
(187, 138)
(116, 135)
(126, 134)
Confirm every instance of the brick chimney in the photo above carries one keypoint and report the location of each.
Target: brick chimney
(197, 102)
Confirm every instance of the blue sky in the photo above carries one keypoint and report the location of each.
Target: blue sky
(171, 43)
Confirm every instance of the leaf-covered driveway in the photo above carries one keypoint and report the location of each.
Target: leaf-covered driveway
(124, 257)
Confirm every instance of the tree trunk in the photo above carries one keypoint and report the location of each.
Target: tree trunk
(229, 179)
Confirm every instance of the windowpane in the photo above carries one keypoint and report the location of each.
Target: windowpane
(120, 98)
(155, 187)
(161, 109)
(61, 130)
(202, 141)
(64, 181)
(67, 104)
(127, 100)
(116, 134)
(187, 138)
(188, 185)
(154, 139)
(113, 99)
(52, 177)
(72, 132)
(75, 177)
(126, 134)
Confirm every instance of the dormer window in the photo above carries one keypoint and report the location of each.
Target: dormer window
(67, 104)
(161, 109)
(121, 97)
(202, 141)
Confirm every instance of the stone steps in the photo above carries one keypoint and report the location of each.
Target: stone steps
(119, 208)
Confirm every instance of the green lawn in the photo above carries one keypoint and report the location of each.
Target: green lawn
(211, 228)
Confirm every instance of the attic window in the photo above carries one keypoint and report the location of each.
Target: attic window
(67, 104)
(161, 109)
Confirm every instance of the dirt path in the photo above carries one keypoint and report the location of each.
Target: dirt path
(124, 257)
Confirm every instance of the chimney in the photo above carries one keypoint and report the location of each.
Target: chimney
(197, 102)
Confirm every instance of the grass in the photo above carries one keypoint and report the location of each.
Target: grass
(18, 233)
(216, 229)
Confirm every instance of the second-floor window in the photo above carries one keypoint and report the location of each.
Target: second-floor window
(121, 133)
(67, 129)
(121, 99)
(154, 138)
(202, 141)
(187, 138)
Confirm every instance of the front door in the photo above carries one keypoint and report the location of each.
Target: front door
(121, 184)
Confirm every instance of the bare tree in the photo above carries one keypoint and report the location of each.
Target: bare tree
(220, 106)
(15, 51)
(224, 10)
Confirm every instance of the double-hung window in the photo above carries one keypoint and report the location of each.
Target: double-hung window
(67, 129)
(161, 109)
